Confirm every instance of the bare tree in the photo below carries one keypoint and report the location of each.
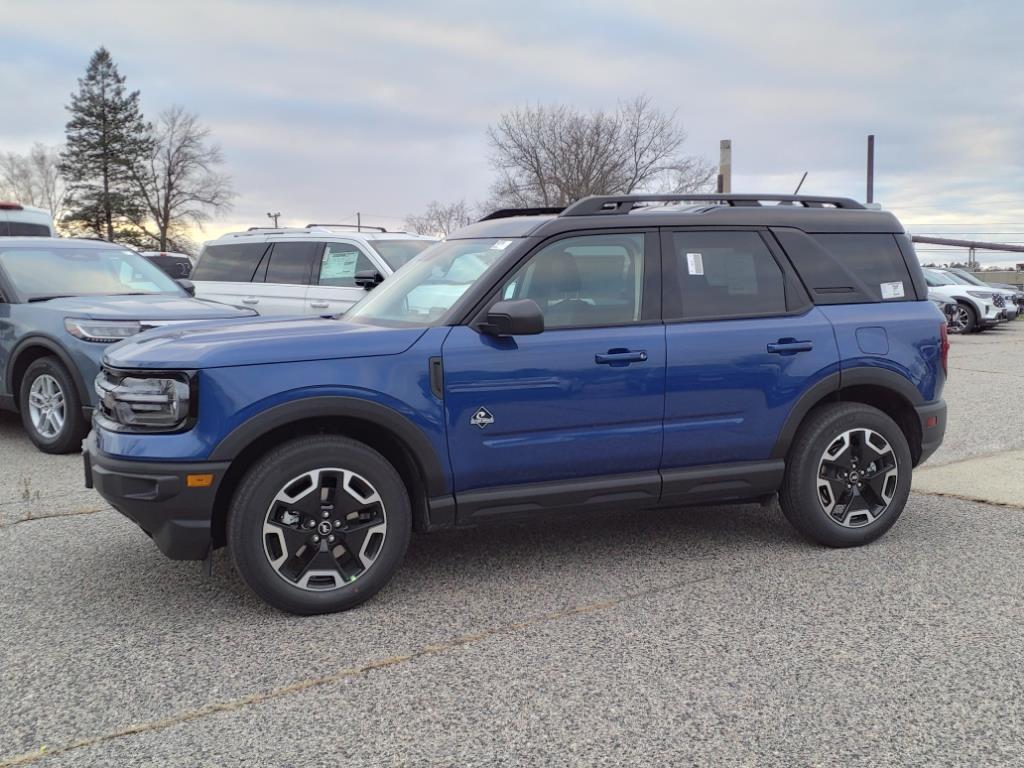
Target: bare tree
(178, 180)
(440, 219)
(34, 179)
(553, 155)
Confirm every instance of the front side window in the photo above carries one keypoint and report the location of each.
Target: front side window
(587, 281)
(339, 264)
(41, 272)
(721, 275)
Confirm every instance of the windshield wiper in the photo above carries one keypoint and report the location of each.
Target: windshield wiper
(54, 296)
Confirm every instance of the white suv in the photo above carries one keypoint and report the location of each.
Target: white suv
(975, 309)
(19, 220)
(316, 270)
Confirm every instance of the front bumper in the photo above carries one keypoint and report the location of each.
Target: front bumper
(933, 427)
(156, 497)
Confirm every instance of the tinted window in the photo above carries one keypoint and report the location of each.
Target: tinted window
(339, 264)
(584, 281)
(722, 274)
(292, 263)
(853, 267)
(24, 229)
(399, 252)
(230, 262)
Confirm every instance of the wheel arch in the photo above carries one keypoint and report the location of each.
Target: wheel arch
(385, 430)
(32, 348)
(885, 390)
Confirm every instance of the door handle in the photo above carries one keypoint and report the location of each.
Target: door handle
(790, 347)
(621, 357)
(250, 300)
(318, 304)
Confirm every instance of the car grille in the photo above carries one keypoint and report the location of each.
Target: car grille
(999, 300)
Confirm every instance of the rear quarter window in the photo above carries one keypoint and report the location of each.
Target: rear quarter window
(849, 268)
(230, 262)
(26, 229)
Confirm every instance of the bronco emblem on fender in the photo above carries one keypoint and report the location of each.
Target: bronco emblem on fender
(481, 418)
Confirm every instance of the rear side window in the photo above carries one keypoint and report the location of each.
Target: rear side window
(292, 263)
(715, 275)
(230, 262)
(25, 229)
(849, 268)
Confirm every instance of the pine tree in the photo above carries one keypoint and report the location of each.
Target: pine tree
(106, 136)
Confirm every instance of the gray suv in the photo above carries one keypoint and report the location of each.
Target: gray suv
(62, 303)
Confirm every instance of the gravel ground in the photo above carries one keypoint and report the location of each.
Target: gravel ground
(710, 636)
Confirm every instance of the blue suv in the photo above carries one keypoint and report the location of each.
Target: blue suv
(623, 352)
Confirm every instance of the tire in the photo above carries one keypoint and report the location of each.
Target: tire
(51, 410)
(363, 508)
(827, 442)
(964, 319)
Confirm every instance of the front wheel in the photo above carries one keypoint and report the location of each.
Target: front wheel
(319, 525)
(848, 475)
(963, 319)
(50, 409)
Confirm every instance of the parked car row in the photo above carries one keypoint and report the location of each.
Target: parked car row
(970, 304)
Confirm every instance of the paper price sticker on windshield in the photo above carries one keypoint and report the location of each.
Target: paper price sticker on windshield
(892, 290)
(695, 263)
(501, 245)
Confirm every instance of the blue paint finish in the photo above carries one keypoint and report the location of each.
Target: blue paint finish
(913, 332)
(557, 413)
(873, 340)
(727, 396)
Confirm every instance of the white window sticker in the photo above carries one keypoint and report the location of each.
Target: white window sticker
(892, 290)
(695, 263)
(501, 245)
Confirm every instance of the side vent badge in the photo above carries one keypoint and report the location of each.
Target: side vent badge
(481, 418)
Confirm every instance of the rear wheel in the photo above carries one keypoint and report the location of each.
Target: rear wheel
(848, 475)
(963, 319)
(50, 409)
(319, 525)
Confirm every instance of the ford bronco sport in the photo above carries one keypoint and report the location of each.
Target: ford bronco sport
(624, 352)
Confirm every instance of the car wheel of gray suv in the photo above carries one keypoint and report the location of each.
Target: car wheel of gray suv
(50, 409)
(319, 524)
(847, 476)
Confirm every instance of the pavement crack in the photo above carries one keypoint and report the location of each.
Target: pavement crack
(468, 639)
(34, 518)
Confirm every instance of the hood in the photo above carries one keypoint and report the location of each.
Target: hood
(258, 342)
(156, 306)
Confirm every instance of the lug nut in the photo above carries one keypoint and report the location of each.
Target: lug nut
(325, 514)
(310, 523)
(316, 539)
(337, 523)
(330, 539)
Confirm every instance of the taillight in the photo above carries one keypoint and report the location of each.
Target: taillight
(944, 348)
(4, 206)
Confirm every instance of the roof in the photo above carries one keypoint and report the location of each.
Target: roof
(327, 230)
(59, 242)
(807, 213)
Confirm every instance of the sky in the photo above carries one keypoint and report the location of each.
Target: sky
(325, 108)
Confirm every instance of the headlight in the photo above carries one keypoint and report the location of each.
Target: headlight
(141, 401)
(981, 294)
(102, 331)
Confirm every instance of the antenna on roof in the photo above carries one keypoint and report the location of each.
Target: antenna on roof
(797, 190)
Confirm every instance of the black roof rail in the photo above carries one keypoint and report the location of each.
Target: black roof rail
(507, 213)
(358, 227)
(605, 204)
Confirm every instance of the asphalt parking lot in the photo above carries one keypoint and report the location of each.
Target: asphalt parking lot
(705, 636)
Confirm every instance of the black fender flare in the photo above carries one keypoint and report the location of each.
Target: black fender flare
(833, 383)
(50, 345)
(333, 406)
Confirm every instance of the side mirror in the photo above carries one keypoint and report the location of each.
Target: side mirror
(522, 317)
(368, 279)
(188, 285)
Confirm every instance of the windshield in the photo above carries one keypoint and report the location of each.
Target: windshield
(424, 292)
(398, 253)
(967, 278)
(934, 278)
(39, 272)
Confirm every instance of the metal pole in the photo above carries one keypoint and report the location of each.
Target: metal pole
(871, 168)
(725, 166)
(359, 222)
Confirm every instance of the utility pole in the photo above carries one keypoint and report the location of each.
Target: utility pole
(725, 166)
(275, 217)
(359, 222)
(871, 168)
